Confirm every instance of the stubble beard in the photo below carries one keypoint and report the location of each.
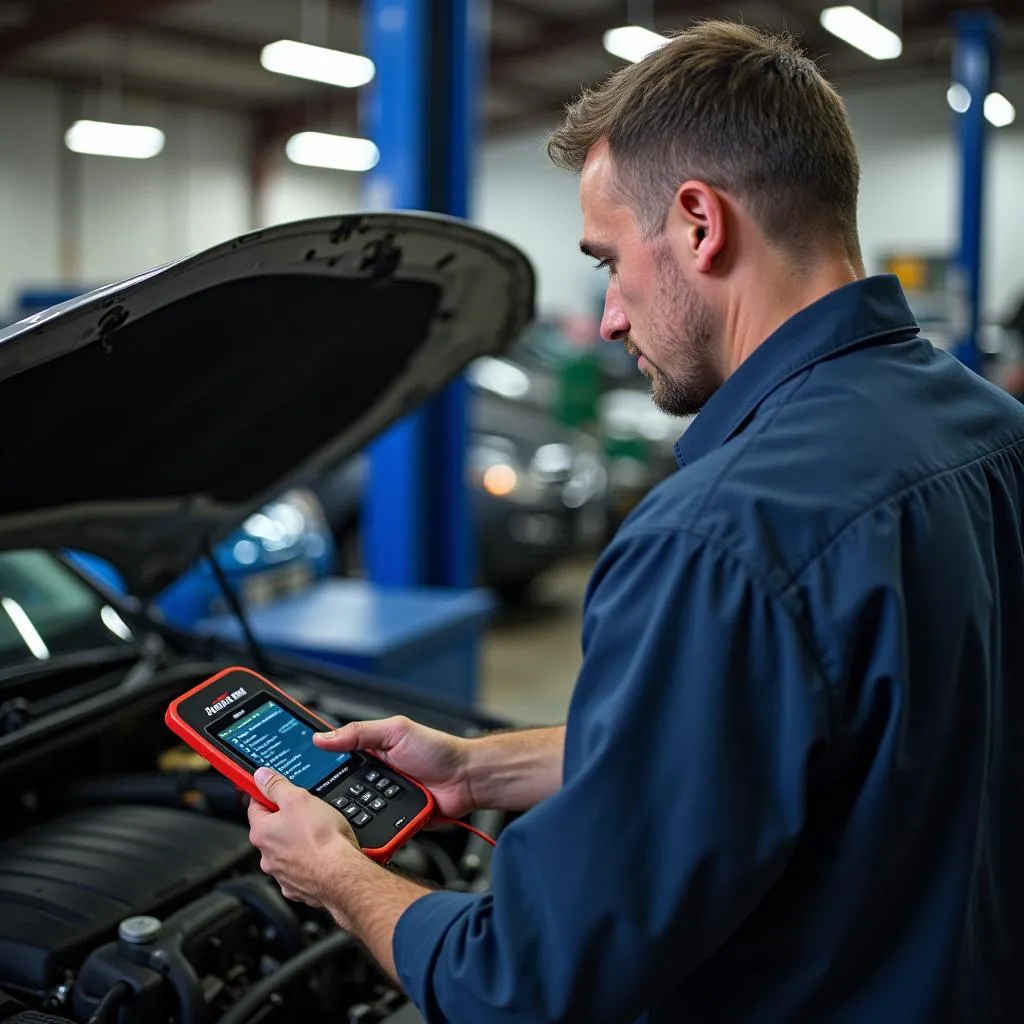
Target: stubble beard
(687, 327)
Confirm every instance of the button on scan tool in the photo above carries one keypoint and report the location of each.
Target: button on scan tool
(341, 802)
(352, 810)
(366, 797)
(378, 804)
(372, 776)
(363, 818)
(383, 783)
(392, 791)
(355, 789)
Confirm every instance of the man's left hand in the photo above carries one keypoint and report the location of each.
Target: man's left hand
(302, 842)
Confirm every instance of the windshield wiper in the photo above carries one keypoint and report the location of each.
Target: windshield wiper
(94, 657)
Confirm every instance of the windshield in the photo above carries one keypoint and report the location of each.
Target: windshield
(46, 611)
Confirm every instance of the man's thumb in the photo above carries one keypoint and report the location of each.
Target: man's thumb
(268, 781)
(354, 736)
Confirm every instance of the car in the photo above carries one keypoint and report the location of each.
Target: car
(128, 888)
(640, 445)
(538, 491)
(278, 551)
(637, 438)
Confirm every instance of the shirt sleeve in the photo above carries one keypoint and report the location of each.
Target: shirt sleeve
(696, 713)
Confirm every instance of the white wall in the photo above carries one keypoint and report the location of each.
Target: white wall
(75, 220)
(910, 188)
(136, 214)
(72, 221)
(29, 152)
(296, 193)
(519, 194)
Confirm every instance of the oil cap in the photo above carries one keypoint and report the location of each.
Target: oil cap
(139, 930)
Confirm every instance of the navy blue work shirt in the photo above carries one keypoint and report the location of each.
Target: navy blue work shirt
(793, 785)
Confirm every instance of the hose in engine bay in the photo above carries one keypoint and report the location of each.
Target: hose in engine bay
(291, 969)
(106, 1011)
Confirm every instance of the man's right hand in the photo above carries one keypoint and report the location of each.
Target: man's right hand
(437, 759)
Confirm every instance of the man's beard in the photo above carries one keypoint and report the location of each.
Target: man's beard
(688, 328)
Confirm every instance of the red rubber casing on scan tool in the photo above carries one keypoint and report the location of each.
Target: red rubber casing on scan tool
(415, 802)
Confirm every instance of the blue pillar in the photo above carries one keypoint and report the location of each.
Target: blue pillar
(974, 68)
(421, 111)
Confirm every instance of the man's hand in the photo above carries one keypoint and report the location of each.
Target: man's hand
(302, 842)
(437, 759)
(312, 853)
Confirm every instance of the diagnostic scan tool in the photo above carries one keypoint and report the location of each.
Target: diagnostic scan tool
(239, 721)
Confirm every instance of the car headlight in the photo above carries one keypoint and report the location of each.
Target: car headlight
(280, 525)
(589, 480)
(496, 468)
(552, 463)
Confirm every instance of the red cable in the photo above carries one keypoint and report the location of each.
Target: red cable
(453, 821)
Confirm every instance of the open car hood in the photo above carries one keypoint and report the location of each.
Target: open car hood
(146, 419)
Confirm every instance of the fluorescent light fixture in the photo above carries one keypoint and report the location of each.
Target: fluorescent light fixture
(317, 63)
(633, 42)
(999, 110)
(857, 29)
(105, 138)
(335, 152)
(958, 98)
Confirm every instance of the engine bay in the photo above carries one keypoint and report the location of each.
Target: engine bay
(129, 891)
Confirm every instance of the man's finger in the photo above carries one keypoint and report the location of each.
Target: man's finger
(378, 735)
(273, 786)
(257, 812)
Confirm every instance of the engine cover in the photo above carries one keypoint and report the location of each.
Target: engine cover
(65, 885)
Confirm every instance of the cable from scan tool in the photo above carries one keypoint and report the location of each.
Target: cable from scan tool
(469, 828)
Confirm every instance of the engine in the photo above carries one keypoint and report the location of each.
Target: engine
(130, 893)
(141, 914)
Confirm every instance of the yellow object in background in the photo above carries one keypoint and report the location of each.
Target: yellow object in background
(182, 759)
(911, 270)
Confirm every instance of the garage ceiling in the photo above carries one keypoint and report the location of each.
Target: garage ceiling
(541, 51)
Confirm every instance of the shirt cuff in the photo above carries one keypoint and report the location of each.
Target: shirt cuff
(417, 941)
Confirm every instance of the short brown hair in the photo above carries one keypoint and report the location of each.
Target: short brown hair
(742, 109)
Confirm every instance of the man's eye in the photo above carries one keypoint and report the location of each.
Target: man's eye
(604, 265)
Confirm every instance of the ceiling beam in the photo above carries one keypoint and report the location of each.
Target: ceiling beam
(81, 82)
(68, 17)
(927, 60)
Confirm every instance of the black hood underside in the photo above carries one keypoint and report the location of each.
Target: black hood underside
(148, 419)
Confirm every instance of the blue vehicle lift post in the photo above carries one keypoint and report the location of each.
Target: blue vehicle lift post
(974, 57)
(420, 110)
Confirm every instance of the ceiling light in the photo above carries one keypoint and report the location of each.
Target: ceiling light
(857, 29)
(105, 138)
(633, 42)
(317, 63)
(999, 110)
(335, 152)
(958, 98)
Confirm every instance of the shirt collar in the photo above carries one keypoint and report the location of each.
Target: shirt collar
(856, 313)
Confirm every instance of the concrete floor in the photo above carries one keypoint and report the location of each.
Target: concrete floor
(532, 653)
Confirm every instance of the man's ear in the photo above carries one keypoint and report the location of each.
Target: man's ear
(701, 216)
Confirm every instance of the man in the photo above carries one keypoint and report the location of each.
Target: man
(790, 787)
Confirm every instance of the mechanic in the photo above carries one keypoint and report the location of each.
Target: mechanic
(790, 785)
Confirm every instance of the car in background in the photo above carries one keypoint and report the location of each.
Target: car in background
(277, 552)
(636, 437)
(538, 492)
(639, 442)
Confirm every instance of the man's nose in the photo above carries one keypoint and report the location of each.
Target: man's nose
(614, 322)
